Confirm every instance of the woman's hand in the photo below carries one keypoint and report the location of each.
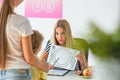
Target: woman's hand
(50, 66)
(78, 72)
(82, 59)
(44, 66)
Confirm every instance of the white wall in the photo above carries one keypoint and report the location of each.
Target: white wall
(79, 12)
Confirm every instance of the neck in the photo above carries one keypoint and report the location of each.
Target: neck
(62, 45)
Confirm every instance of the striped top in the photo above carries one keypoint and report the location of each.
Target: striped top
(47, 47)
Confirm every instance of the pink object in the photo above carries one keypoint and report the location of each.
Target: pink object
(43, 8)
(0, 1)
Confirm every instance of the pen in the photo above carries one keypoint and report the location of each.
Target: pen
(55, 61)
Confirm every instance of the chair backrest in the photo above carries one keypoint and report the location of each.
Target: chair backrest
(82, 45)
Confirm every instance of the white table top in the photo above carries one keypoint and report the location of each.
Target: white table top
(69, 76)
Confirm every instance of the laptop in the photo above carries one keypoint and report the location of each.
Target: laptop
(63, 59)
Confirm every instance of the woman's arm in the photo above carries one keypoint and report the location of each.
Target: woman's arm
(29, 56)
(44, 56)
(83, 62)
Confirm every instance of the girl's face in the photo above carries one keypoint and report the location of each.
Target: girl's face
(60, 36)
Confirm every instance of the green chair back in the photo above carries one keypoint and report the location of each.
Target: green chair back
(82, 45)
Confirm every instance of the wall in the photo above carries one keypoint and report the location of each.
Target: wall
(79, 12)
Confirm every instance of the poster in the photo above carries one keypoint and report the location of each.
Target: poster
(43, 8)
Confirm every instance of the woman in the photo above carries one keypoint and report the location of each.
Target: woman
(62, 36)
(15, 44)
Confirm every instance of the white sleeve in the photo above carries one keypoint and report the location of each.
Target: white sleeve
(26, 28)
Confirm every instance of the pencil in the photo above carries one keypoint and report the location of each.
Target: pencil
(55, 61)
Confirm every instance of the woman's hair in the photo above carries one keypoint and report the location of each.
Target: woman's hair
(37, 39)
(6, 8)
(62, 23)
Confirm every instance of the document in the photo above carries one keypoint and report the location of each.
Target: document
(66, 57)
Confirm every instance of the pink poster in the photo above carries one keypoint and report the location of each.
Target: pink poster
(43, 8)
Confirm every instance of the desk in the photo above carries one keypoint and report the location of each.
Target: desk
(69, 76)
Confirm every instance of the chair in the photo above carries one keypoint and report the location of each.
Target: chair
(82, 45)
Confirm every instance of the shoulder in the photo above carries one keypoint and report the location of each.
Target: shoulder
(19, 18)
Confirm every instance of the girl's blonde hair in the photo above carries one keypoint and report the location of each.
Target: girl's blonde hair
(6, 8)
(37, 39)
(62, 23)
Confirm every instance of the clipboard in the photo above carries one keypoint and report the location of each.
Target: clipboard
(63, 57)
(58, 72)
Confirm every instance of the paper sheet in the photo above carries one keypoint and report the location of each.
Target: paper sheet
(67, 57)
